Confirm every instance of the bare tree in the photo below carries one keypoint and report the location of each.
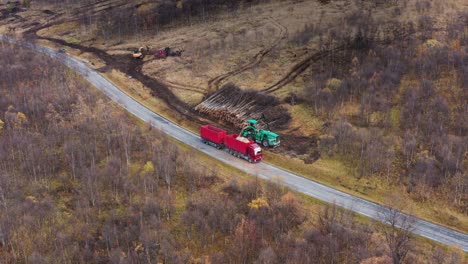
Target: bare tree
(398, 228)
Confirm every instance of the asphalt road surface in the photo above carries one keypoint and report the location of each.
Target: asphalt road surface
(262, 170)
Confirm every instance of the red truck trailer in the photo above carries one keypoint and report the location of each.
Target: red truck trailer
(213, 136)
(238, 146)
(243, 148)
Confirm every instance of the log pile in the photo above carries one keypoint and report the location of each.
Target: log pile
(234, 106)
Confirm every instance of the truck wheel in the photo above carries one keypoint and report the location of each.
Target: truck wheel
(265, 143)
(250, 160)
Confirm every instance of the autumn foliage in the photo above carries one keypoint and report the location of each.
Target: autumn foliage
(82, 182)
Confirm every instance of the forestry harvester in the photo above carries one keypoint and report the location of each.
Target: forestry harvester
(265, 137)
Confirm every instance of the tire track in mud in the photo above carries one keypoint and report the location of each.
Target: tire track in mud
(184, 87)
(300, 68)
(216, 82)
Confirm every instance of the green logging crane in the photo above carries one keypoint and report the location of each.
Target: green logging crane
(262, 136)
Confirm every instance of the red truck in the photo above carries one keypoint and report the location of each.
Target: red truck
(238, 146)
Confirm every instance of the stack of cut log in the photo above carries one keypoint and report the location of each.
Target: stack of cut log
(235, 106)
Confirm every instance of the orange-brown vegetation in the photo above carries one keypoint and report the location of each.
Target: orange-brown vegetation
(80, 182)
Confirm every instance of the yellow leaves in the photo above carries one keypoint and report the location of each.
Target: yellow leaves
(424, 154)
(20, 120)
(31, 198)
(148, 168)
(179, 4)
(432, 43)
(14, 119)
(424, 48)
(333, 84)
(139, 247)
(258, 203)
(21, 117)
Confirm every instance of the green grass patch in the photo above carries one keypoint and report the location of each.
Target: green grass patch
(301, 117)
(395, 115)
(73, 40)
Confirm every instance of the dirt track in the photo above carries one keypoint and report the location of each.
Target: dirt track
(216, 82)
(300, 68)
(126, 65)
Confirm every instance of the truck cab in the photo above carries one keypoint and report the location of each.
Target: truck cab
(255, 153)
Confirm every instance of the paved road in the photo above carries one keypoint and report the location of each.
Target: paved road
(262, 170)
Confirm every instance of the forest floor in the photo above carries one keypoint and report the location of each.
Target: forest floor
(257, 48)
